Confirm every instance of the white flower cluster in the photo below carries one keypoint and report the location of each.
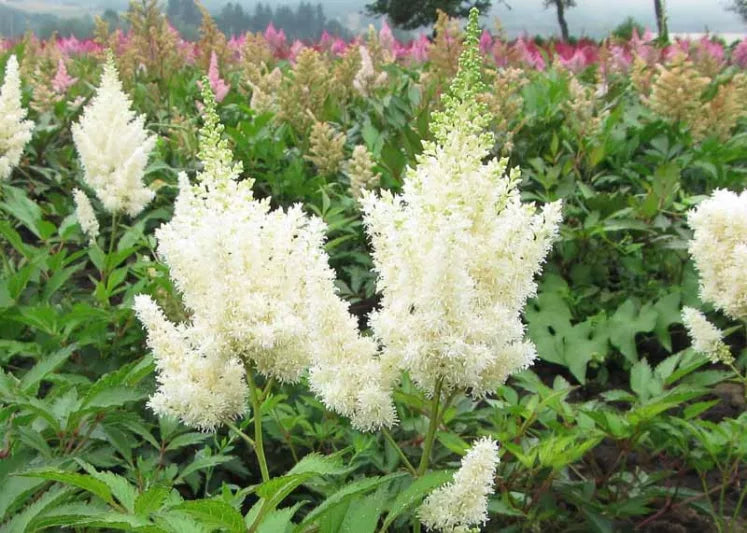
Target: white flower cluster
(366, 78)
(719, 249)
(463, 503)
(260, 292)
(114, 147)
(456, 254)
(706, 337)
(86, 215)
(15, 132)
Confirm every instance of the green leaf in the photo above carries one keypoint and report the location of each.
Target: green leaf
(363, 514)
(215, 513)
(352, 489)
(186, 439)
(43, 368)
(626, 323)
(279, 520)
(120, 488)
(640, 379)
(452, 442)
(151, 500)
(668, 313)
(583, 343)
(22, 522)
(202, 462)
(415, 493)
(318, 464)
(111, 397)
(81, 481)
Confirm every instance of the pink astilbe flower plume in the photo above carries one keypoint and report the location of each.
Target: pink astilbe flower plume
(217, 84)
(62, 81)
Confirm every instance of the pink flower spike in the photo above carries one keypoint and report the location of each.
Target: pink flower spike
(419, 48)
(338, 47)
(220, 88)
(739, 55)
(486, 42)
(62, 81)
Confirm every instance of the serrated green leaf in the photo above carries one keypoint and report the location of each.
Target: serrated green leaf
(216, 513)
(415, 493)
(355, 488)
(151, 500)
(81, 481)
(43, 368)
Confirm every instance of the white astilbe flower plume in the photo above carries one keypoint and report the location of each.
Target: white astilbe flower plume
(259, 292)
(15, 132)
(706, 338)
(114, 146)
(719, 249)
(86, 215)
(456, 254)
(463, 503)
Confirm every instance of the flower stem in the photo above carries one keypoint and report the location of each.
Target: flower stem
(435, 415)
(240, 433)
(259, 448)
(402, 455)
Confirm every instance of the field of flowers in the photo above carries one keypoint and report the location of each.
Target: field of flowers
(457, 284)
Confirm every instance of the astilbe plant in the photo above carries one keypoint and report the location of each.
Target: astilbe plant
(264, 303)
(15, 132)
(114, 147)
(456, 255)
(719, 250)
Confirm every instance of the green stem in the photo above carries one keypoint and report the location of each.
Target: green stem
(402, 455)
(259, 448)
(240, 433)
(115, 220)
(112, 238)
(435, 415)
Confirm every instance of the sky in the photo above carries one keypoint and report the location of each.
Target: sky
(591, 17)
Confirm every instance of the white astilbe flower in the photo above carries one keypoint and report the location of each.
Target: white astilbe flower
(706, 338)
(15, 132)
(114, 146)
(463, 503)
(719, 249)
(259, 292)
(86, 215)
(366, 78)
(457, 252)
(195, 383)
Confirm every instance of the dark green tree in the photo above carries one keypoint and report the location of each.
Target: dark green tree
(740, 8)
(560, 7)
(661, 20)
(408, 14)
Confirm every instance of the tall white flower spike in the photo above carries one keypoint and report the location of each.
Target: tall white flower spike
(15, 132)
(114, 146)
(260, 295)
(457, 252)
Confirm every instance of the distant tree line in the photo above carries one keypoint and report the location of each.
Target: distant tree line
(15, 22)
(306, 22)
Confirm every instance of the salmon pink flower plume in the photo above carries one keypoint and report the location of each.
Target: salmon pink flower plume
(386, 37)
(219, 86)
(486, 42)
(419, 48)
(529, 53)
(62, 81)
(276, 40)
(338, 47)
(739, 56)
(295, 49)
